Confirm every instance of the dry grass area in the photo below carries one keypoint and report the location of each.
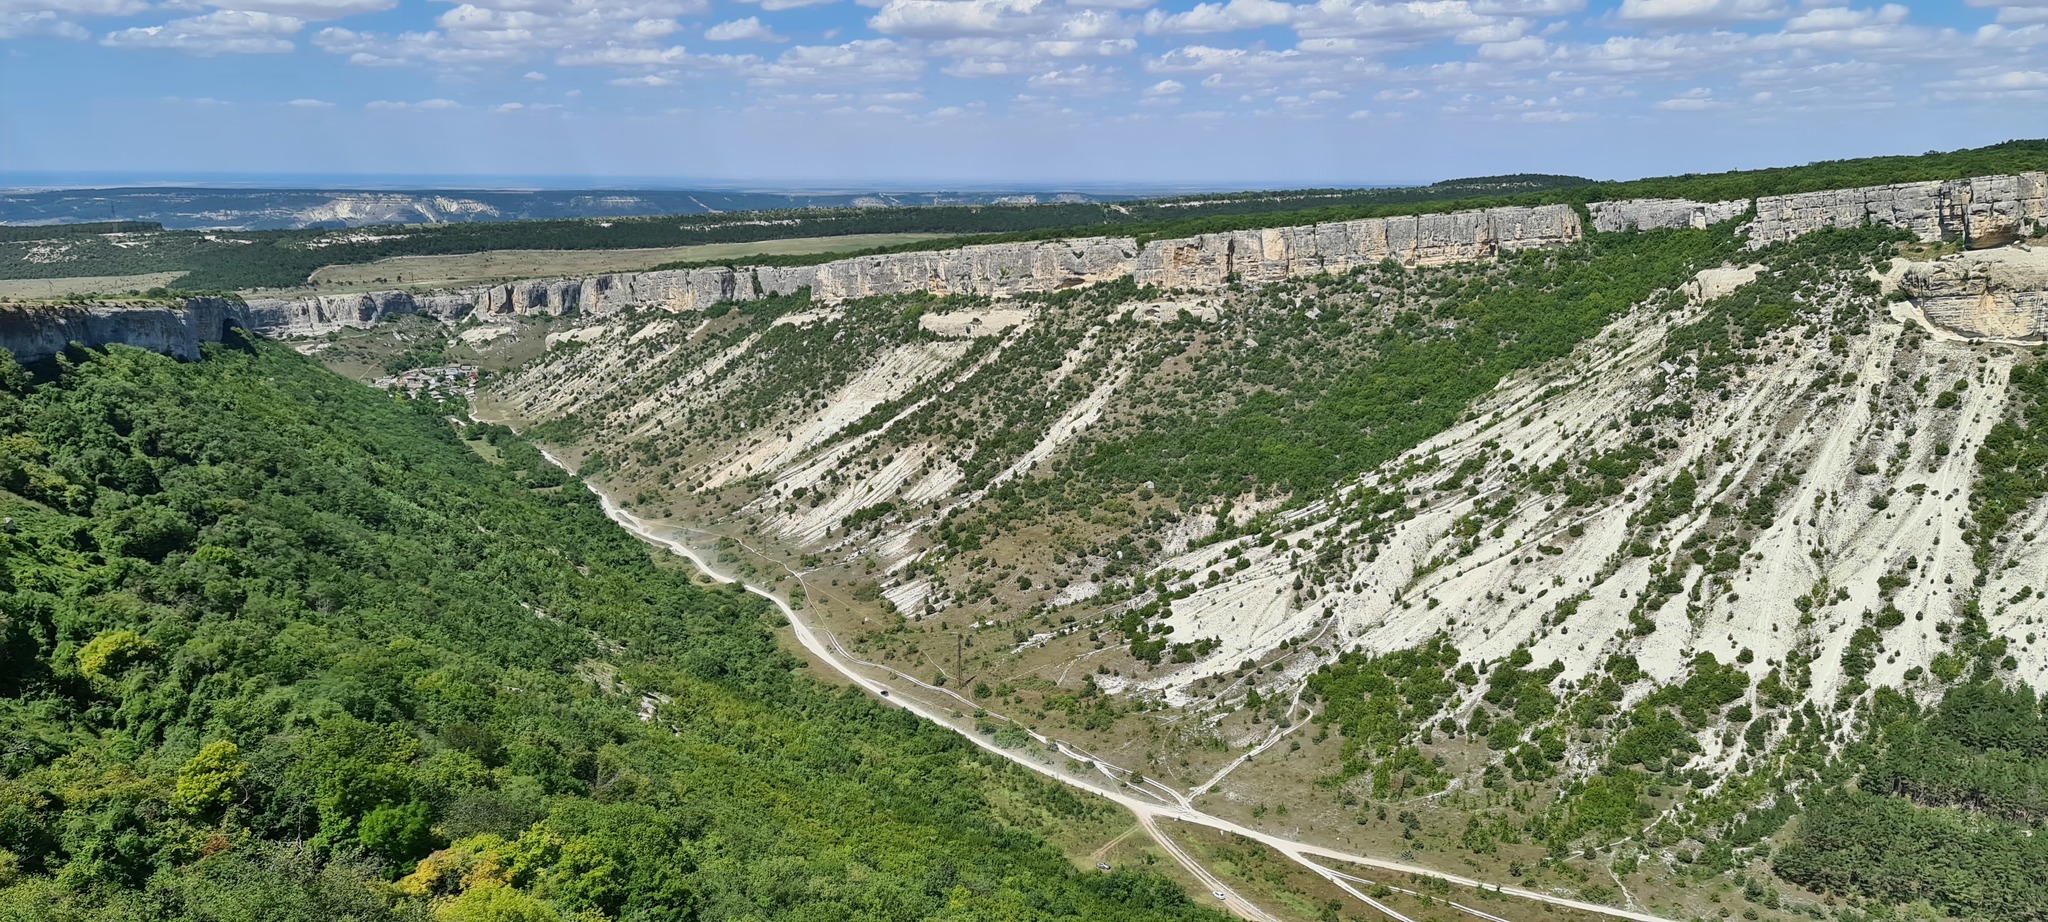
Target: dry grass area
(504, 265)
(32, 289)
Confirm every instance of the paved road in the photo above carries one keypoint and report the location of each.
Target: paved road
(827, 649)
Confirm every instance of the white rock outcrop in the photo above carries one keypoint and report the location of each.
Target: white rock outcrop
(1212, 260)
(1986, 211)
(1660, 213)
(1982, 212)
(36, 332)
(1993, 294)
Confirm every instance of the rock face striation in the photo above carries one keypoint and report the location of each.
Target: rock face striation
(1999, 294)
(1987, 211)
(1660, 213)
(1983, 212)
(1212, 260)
(36, 332)
(995, 270)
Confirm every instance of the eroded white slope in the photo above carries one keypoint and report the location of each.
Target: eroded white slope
(1788, 414)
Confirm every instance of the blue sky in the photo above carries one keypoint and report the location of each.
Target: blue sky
(938, 92)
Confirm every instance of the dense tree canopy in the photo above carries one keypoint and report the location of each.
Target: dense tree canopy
(276, 646)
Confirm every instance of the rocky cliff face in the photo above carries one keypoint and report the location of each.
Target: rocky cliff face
(36, 332)
(1987, 211)
(1983, 212)
(317, 315)
(1211, 260)
(1999, 294)
(1658, 213)
(997, 270)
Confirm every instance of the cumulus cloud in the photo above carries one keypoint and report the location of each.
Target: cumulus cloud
(307, 10)
(1836, 18)
(777, 5)
(34, 23)
(219, 32)
(1996, 84)
(1084, 80)
(1210, 18)
(1691, 100)
(947, 18)
(862, 61)
(1417, 21)
(1701, 12)
(749, 29)
(614, 55)
(58, 18)
(1524, 48)
(472, 36)
(310, 104)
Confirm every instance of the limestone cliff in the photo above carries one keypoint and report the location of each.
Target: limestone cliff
(1996, 294)
(33, 332)
(998, 270)
(1211, 260)
(1658, 213)
(1986, 211)
(1982, 212)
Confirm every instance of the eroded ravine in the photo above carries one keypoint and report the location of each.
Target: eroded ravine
(826, 650)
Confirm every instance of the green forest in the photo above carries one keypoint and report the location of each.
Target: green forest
(277, 646)
(280, 259)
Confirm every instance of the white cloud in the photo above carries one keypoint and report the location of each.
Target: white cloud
(863, 61)
(2023, 15)
(310, 104)
(644, 80)
(1165, 88)
(1837, 18)
(773, 6)
(1692, 100)
(1084, 80)
(308, 10)
(1997, 84)
(1104, 48)
(1521, 49)
(219, 32)
(749, 29)
(1233, 16)
(1414, 21)
(424, 104)
(1701, 12)
(472, 36)
(33, 23)
(624, 56)
(54, 18)
(1083, 25)
(947, 18)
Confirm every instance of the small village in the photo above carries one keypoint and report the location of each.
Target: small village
(440, 382)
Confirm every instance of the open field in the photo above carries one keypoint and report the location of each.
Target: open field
(24, 289)
(501, 265)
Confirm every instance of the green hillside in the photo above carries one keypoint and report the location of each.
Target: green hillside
(275, 646)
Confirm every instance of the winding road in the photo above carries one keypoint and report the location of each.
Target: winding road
(1161, 802)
